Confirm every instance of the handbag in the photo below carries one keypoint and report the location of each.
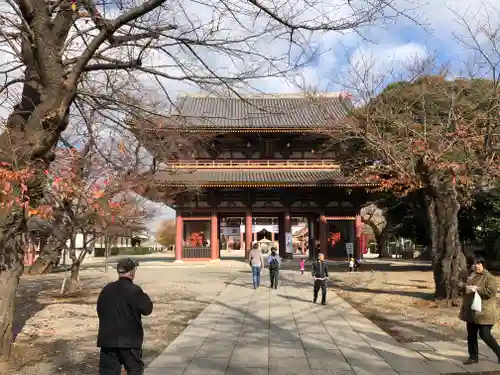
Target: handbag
(476, 303)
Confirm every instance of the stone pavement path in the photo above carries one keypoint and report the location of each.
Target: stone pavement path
(281, 332)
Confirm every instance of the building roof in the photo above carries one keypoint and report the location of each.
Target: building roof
(252, 178)
(264, 113)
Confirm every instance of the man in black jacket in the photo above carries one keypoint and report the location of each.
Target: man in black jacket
(320, 274)
(120, 307)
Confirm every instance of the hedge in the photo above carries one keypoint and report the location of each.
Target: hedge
(99, 252)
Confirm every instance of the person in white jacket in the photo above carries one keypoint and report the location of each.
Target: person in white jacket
(256, 261)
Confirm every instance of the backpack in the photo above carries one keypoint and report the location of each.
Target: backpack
(274, 265)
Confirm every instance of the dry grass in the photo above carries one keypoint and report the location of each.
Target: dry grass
(402, 304)
(57, 335)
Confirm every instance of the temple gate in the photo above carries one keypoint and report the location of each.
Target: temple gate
(261, 156)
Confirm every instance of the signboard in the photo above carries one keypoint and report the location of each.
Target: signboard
(349, 247)
(230, 231)
(289, 243)
(230, 238)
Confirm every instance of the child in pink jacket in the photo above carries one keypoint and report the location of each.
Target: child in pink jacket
(302, 265)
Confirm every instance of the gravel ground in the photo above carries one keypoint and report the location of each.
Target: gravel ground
(401, 303)
(57, 335)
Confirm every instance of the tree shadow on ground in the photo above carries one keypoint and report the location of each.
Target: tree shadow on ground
(283, 336)
(426, 296)
(333, 285)
(57, 357)
(293, 298)
(27, 304)
(402, 331)
(382, 267)
(33, 289)
(390, 322)
(407, 285)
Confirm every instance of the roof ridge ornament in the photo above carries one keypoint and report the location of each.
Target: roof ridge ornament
(291, 95)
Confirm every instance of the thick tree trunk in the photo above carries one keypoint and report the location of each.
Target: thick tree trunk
(382, 241)
(448, 260)
(44, 262)
(9, 280)
(73, 283)
(11, 269)
(381, 237)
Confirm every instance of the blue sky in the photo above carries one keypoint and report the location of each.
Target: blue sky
(390, 46)
(437, 32)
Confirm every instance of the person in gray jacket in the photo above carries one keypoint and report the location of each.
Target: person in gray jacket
(256, 261)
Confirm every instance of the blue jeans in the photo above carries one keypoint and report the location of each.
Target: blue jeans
(256, 276)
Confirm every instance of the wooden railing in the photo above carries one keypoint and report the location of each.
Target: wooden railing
(250, 164)
(189, 252)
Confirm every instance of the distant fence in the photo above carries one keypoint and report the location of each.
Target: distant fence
(189, 252)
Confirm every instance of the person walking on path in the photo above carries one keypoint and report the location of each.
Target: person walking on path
(320, 274)
(120, 307)
(351, 265)
(274, 262)
(481, 322)
(256, 260)
(302, 265)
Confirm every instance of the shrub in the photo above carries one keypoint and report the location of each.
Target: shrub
(99, 252)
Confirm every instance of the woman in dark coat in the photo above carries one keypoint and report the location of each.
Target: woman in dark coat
(481, 323)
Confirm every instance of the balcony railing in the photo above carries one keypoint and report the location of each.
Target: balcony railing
(253, 164)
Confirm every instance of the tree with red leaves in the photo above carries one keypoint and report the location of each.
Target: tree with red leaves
(83, 196)
(430, 133)
(438, 136)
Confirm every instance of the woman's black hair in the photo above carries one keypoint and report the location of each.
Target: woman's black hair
(479, 259)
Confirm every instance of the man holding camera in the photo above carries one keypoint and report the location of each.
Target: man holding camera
(120, 307)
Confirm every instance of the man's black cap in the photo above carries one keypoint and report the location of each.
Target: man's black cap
(126, 265)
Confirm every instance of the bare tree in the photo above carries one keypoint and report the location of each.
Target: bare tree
(65, 58)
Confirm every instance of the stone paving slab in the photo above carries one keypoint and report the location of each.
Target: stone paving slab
(281, 332)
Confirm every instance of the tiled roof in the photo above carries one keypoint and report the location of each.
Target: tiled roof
(267, 112)
(256, 178)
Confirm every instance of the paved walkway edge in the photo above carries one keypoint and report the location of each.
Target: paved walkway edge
(281, 332)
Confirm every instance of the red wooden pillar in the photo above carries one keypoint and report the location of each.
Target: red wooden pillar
(214, 238)
(242, 240)
(179, 233)
(248, 233)
(323, 236)
(281, 236)
(358, 228)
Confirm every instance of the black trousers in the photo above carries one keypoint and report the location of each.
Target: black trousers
(274, 274)
(112, 359)
(484, 332)
(320, 284)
